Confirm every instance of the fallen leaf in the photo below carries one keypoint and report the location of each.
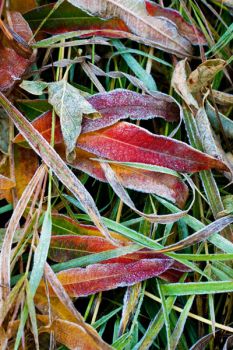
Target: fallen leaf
(179, 83)
(22, 5)
(63, 224)
(52, 159)
(122, 104)
(70, 106)
(154, 182)
(67, 247)
(126, 142)
(204, 74)
(113, 106)
(158, 31)
(10, 72)
(186, 29)
(118, 188)
(222, 98)
(98, 277)
(193, 98)
(25, 159)
(70, 18)
(6, 183)
(70, 334)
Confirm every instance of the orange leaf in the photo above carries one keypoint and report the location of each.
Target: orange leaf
(6, 183)
(71, 335)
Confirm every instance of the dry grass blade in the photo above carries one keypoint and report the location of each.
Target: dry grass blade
(66, 301)
(13, 224)
(115, 183)
(201, 235)
(53, 160)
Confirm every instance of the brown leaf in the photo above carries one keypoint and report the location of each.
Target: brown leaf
(70, 334)
(161, 32)
(22, 5)
(188, 30)
(6, 183)
(204, 74)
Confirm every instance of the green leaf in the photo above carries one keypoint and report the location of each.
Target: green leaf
(177, 289)
(34, 87)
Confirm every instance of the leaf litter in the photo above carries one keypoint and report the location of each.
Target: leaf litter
(95, 134)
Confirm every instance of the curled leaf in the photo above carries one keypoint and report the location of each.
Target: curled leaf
(158, 31)
(204, 74)
(186, 29)
(10, 72)
(71, 334)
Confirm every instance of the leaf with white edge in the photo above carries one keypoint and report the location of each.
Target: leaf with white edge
(34, 87)
(159, 32)
(70, 106)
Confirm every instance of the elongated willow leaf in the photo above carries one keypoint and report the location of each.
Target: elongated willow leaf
(129, 143)
(100, 277)
(64, 225)
(113, 106)
(160, 31)
(186, 29)
(52, 159)
(68, 18)
(172, 187)
(138, 179)
(66, 247)
(71, 334)
(123, 104)
(69, 247)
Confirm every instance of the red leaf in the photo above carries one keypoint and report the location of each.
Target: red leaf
(122, 104)
(64, 225)
(43, 125)
(146, 181)
(67, 247)
(113, 106)
(126, 142)
(99, 277)
(188, 30)
(12, 64)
